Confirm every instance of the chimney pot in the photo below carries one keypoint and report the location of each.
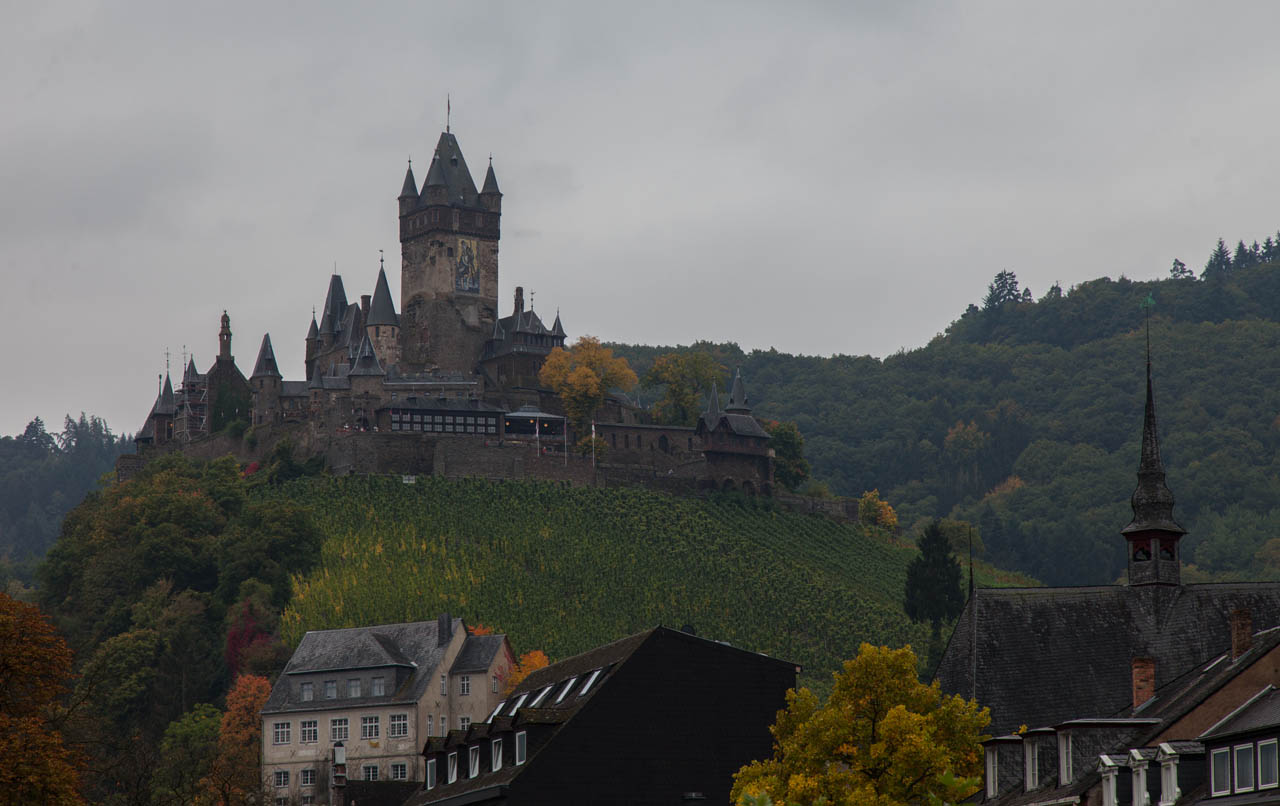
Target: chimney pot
(1241, 632)
(1144, 680)
(519, 299)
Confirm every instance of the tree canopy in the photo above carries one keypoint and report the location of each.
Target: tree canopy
(882, 737)
(583, 375)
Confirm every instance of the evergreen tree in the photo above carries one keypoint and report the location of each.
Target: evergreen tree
(1180, 271)
(1243, 258)
(1004, 288)
(933, 581)
(1219, 264)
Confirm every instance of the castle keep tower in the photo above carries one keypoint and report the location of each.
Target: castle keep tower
(449, 263)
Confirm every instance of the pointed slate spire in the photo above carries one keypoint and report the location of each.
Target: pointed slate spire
(265, 366)
(313, 331)
(713, 405)
(498, 333)
(557, 329)
(1152, 500)
(410, 189)
(192, 373)
(366, 362)
(737, 396)
(382, 311)
(490, 182)
(167, 404)
(335, 306)
(315, 382)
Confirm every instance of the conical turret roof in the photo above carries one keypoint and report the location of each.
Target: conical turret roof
(265, 366)
(313, 331)
(382, 311)
(335, 306)
(737, 396)
(1152, 500)
(490, 181)
(557, 329)
(165, 404)
(713, 405)
(191, 372)
(435, 174)
(410, 189)
(366, 362)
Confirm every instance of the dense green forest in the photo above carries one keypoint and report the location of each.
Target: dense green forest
(42, 476)
(1024, 417)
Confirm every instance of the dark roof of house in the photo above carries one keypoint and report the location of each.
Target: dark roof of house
(1261, 712)
(478, 653)
(735, 418)
(410, 188)
(164, 401)
(414, 645)
(266, 363)
(428, 403)
(563, 683)
(382, 311)
(1044, 655)
(294, 388)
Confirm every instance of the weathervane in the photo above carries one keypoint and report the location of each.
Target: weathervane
(448, 111)
(381, 259)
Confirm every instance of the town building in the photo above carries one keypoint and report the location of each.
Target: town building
(662, 716)
(1203, 735)
(378, 693)
(1039, 656)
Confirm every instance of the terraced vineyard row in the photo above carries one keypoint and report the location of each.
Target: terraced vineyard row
(565, 569)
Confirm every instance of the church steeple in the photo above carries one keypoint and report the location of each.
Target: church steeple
(1152, 536)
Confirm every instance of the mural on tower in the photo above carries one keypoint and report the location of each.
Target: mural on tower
(466, 276)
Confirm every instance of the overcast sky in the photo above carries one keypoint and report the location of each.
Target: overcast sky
(825, 178)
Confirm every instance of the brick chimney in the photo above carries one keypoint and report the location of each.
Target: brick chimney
(364, 305)
(1241, 632)
(444, 629)
(1144, 680)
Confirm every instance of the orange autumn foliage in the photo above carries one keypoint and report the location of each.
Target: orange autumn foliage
(236, 774)
(480, 629)
(528, 662)
(583, 375)
(35, 665)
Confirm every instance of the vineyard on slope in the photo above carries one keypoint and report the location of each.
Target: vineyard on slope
(565, 569)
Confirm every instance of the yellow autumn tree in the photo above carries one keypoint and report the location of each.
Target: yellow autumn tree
(881, 738)
(875, 511)
(583, 375)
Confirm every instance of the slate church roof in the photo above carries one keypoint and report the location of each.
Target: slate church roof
(1045, 655)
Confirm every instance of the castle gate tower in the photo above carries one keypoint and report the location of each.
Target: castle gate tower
(449, 263)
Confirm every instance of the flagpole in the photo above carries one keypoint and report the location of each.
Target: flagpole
(593, 444)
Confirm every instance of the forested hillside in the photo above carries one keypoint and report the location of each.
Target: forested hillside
(42, 476)
(1024, 417)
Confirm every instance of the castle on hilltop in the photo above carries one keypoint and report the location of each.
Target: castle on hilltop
(445, 366)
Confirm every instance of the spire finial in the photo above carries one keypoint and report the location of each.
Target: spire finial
(448, 112)
(381, 260)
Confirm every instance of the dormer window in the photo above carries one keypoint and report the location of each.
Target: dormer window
(378, 686)
(453, 768)
(431, 773)
(541, 696)
(1267, 767)
(474, 765)
(1244, 768)
(496, 711)
(518, 703)
(522, 745)
(1064, 759)
(495, 755)
(353, 687)
(1220, 772)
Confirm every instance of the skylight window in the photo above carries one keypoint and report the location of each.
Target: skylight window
(590, 681)
(496, 711)
(519, 702)
(568, 686)
(542, 695)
